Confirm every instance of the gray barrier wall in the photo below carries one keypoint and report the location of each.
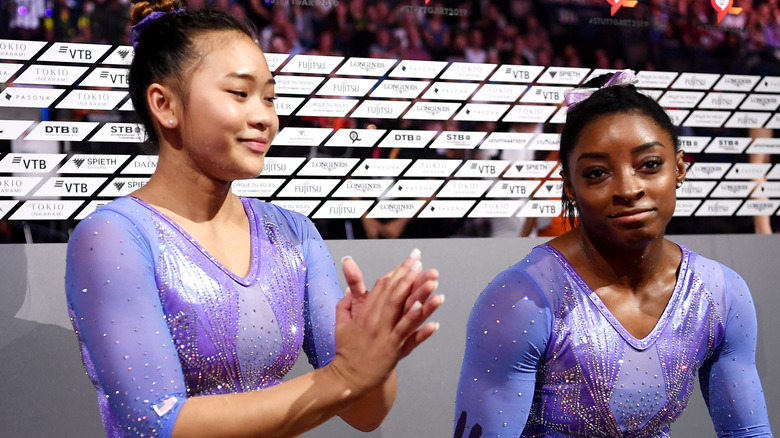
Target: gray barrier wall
(45, 393)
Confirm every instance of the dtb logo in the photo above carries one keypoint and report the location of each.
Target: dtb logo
(617, 4)
(724, 7)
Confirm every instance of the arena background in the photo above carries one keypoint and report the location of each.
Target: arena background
(399, 119)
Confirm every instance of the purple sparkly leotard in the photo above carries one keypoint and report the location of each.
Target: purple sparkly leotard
(546, 358)
(160, 320)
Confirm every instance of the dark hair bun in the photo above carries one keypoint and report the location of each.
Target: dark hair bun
(142, 8)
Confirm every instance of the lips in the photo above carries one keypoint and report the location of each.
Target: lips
(259, 145)
(629, 213)
(631, 217)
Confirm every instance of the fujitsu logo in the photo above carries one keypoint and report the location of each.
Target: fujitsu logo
(341, 209)
(310, 64)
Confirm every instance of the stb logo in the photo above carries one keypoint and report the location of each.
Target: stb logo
(617, 4)
(723, 7)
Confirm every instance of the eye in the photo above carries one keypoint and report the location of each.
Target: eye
(652, 164)
(594, 173)
(270, 99)
(240, 93)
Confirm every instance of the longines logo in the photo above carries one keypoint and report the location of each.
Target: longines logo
(767, 102)
(355, 188)
(395, 88)
(707, 170)
(362, 187)
(737, 82)
(733, 190)
(394, 209)
(756, 208)
(328, 166)
(366, 67)
(434, 111)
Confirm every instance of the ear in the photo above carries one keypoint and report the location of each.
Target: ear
(567, 189)
(164, 105)
(680, 167)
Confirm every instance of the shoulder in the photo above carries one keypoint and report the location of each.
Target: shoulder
(268, 212)
(121, 214)
(722, 283)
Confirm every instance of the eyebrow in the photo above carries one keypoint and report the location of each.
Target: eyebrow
(250, 77)
(634, 150)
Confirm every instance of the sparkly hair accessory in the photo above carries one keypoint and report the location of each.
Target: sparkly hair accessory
(622, 78)
(137, 29)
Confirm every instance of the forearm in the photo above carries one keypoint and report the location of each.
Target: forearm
(367, 412)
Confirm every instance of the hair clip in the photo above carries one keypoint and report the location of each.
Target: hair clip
(622, 78)
(137, 29)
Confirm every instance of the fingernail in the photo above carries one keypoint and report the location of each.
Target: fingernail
(415, 307)
(415, 254)
(417, 267)
(436, 326)
(436, 285)
(346, 257)
(441, 299)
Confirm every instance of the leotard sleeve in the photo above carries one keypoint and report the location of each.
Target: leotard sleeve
(506, 337)
(125, 342)
(729, 379)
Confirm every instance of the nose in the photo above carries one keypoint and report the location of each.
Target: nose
(262, 115)
(627, 185)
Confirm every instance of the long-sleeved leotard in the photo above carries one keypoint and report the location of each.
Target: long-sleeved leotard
(159, 320)
(546, 358)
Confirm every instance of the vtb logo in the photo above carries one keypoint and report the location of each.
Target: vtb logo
(723, 7)
(617, 4)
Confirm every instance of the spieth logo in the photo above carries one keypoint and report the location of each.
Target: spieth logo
(119, 185)
(78, 162)
(724, 7)
(617, 4)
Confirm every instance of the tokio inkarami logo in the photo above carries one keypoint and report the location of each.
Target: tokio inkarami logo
(723, 7)
(617, 4)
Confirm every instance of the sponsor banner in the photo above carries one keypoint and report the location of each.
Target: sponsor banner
(764, 146)
(18, 185)
(312, 64)
(356, 138)
(761, 102)
(464, 188)
(706, 119)
(142, 165)
(538, 94)
(347, 87)
(560, 116)
(545, 142)
(304, 207)
(381, 167)
(563, 75)
(39, 74)
(286, 105)
(30, 163)
(308, 188)
(284, 166)
(418, 69)
(496, 208)
(753, 207)
(120, 133)
(530, 169)
(366, 67)
(722, 100)
(720, 207)
(677, 116)
(6, 206)
(482, 112)
(20, 50)
(768, 84)
(432, 111)
(90, 208)
(380, 109)
(655, 79)
(748, 119)
(523, 74)
(695, 81)
(686, 207)
(318, 107)
(257, 187)
(707, 171)
(362, 188)
(414, 188)
(507, 140)
(468, 71)
(737, 83)
(767, 189)
(343, 209)
(396, 209)
(92, 99)
(328, 166)
(25, 97)
(749, 171)
(598, 72)
(74, 52)
(774, 173)
(728, 189)
(7, 70)
(482, 168)
(728, 145)
(681, 99)
(106, 77)
(529, 114)
(127, 106)
(93, 163)
(692, 144)
(549, 189)
(399, 89)
(74, 131)
(651, 93)
(774, 122)
(458, 140)
(457, 91)
(541, 208)
(400, 138)
(122, 187)
(513, 189)
(68, 187)
(695, 189)
(446, 209)
(45, 210)
(13, 129)
(291, 84)
(274, 60)
(296, 136)
(122, 55)
(432, 168)
(499, 93)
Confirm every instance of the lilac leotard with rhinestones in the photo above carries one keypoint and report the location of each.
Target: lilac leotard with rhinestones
(546, 358)
(159, 320)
